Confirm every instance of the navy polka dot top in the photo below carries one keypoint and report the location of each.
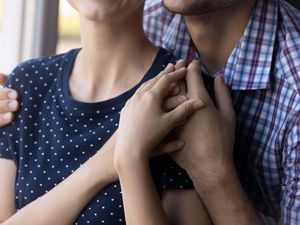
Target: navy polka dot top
(54, 134)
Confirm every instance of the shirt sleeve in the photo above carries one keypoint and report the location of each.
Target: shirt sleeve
(290, 203)
(5, 148)
(168, 175)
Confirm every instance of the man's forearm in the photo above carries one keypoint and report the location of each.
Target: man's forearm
(226, 201)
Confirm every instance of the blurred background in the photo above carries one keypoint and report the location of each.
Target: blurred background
(68, 25)
(51, 26)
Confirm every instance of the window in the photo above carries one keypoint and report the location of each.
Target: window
(1, 19)
(69, 31)
(29, 31)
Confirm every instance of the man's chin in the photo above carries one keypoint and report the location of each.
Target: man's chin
(196, 7)
(179, 7)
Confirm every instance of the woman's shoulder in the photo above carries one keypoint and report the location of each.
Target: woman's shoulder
(37, 71)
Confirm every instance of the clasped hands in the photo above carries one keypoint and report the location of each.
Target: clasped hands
(177, 99)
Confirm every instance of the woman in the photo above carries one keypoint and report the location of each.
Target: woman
(51, 171)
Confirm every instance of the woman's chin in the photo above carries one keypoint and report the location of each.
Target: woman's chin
(99, 15)
(96, 16)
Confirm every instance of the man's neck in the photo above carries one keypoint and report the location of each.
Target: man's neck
(215, 34)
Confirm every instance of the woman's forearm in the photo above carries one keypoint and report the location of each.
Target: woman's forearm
(141, 201)
(63, 204)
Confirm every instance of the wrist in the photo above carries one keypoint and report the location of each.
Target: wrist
(100, 169)
(227, 190)
(215, 178)
(126, 157)
(130, 164)
(93, 177)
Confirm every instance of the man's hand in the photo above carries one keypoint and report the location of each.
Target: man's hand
(209, 133)
(207, 154)
(8, 103)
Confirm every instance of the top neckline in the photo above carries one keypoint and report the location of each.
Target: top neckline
(118, 101)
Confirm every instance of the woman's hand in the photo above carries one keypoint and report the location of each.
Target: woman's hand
(144, 123)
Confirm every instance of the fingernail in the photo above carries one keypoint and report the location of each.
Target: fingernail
(7, 116)
(12, 95)
(198, 104)
(13, 105)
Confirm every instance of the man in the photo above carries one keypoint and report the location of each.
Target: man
(256, 45)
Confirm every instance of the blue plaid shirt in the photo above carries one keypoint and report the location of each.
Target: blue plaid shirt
(263, 73)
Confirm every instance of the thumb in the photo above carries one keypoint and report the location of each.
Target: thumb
(223, 98)
(3, 78)
(183, 111)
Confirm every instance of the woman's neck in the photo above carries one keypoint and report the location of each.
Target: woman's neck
(215, 34)
(115, 55)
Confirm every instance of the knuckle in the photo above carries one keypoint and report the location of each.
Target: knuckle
(181, 121)
(137, 94)
(149, 82)
(151, 95)
(166, 78)
(184, 111)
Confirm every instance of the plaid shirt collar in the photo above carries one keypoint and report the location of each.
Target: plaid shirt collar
(250, 65)
(176, 25)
